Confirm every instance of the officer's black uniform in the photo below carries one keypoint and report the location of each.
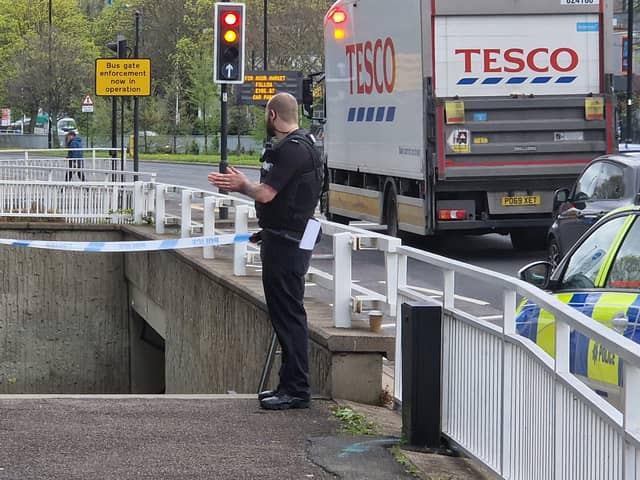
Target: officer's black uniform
(293, 168)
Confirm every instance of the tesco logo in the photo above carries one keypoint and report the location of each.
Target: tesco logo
(372, 65)
(515, 60)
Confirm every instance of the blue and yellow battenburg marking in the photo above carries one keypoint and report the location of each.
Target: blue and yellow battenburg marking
(137, 246)
(587, 357)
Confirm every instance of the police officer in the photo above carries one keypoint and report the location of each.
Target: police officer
(286, 197)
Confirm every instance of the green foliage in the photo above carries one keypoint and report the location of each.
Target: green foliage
(402, 459)
(355, 423)
(176, 35)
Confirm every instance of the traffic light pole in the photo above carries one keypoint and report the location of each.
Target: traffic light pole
(228, 66)
(114, 134)
(629, 135)
(224, 129)
(136, 105)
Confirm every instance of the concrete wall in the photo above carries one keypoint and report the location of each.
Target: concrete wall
(216, 338)
(153, 322)
(63, 317)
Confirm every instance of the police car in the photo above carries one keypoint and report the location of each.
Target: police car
(600, 276)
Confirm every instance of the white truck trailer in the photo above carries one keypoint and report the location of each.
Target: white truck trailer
(458, 116)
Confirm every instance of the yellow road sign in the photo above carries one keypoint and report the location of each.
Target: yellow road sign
(123, 77)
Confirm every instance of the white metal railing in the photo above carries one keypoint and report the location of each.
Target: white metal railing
(513, 407)
(75, 202)
(59, 174)
(56, 157)
(505, 401)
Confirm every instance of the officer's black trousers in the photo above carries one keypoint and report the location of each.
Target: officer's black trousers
(284, 266)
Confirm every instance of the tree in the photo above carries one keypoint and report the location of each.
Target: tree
(202, 91)
(294, 33)
(51, 68)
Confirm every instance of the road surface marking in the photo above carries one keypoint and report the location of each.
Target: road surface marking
(438, 293)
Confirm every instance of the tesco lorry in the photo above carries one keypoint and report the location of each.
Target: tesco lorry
(463, 116)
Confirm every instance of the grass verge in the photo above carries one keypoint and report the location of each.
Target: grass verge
(244, 160)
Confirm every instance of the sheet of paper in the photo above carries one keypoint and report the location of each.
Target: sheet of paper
(310, 234)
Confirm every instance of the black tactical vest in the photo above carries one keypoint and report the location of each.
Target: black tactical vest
(295, 204)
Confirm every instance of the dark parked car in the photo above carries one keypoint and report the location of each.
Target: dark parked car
(608, 182)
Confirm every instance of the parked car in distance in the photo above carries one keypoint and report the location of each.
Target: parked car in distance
(599, 276)
(65, 125)
(608, 182)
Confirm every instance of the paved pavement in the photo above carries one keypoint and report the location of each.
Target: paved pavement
(175, 437)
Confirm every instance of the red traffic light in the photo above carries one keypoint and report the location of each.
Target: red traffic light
(231, 19)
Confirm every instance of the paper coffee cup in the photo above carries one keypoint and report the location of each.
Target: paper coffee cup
(375, 321)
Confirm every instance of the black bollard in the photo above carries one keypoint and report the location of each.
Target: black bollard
(421, 374)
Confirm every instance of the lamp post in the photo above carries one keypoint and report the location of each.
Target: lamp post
(629, 109)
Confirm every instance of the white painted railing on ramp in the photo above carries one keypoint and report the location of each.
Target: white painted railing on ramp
(514, 408)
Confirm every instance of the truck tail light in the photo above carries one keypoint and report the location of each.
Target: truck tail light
(452, 214)
(337, 16)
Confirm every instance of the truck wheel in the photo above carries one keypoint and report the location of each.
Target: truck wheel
(529, 239)
(391, 214)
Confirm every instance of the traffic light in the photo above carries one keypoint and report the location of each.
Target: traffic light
(228, 55)
(119, 47)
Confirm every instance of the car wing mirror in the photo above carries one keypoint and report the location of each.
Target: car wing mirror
(537, 273)
(559, 197)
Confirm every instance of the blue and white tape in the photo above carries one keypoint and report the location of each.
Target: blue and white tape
(139, 246)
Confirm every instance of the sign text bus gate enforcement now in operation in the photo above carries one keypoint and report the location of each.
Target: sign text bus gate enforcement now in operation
(129, 77)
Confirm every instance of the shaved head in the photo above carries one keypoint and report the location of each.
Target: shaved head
(285, 106)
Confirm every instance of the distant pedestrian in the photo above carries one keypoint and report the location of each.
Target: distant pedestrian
(76, 157)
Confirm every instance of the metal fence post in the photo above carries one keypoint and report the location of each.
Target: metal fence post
(421, 374)
(209, 226)
(115, 204)
(160, 208)
(342, 243)
(185, 217)
(631, 419)
(240, 249)
(449, 290)
(138, 201)
(397, 377)
(391, 269)
(563, 333)
(509, 306)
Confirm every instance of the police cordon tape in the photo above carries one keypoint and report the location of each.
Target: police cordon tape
(135, 246)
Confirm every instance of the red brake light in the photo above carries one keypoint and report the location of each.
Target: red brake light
(452, 214)
(338, 16)
(231, 19)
